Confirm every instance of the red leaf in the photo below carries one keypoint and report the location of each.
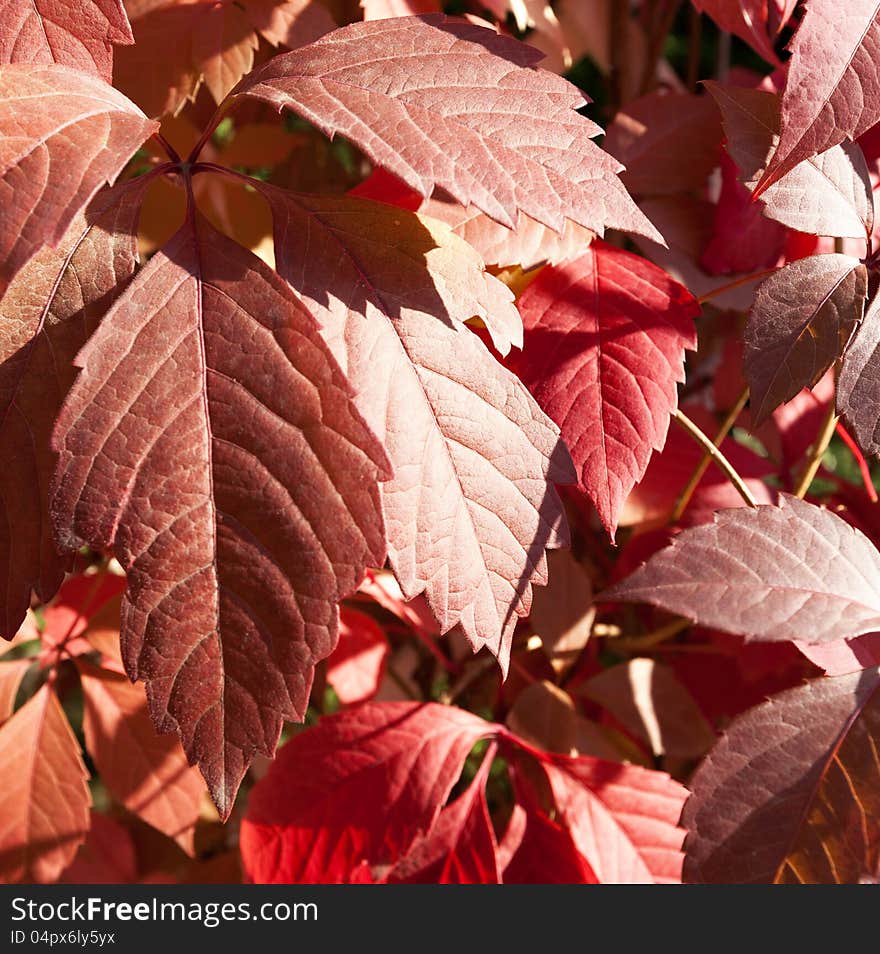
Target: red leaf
(799, 324)
(211, 441)
(749, 20)
(356, 666)
(382, 9)
(63, 134)
(51, 307)
(458, 132)
(832, 92)
(356, 789)
(795, 571)
(460, 847)
(791, 793)
(471, 507)
(146, 772)
(858, 388)
(604, 350)
(46, 799)
(107, 856)
(81, 600)
(80, 35)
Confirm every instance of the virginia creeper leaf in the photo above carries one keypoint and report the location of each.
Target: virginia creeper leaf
(827, 194)
(471, 507)
(357, 788)
(63, 134)
(832, 91)
(11, 674)
(107, 856)
(49, 310)
(442, 102)
(211, 441)
(80, 35)
(858, 388)
(799, 324)
(355, 668)
(46, 800)
(604, 350)
(747, 19)
(145, 771)
(791, 793)
(382, 9)
(795, 571)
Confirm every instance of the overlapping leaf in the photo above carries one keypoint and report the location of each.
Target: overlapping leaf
(604, 350)
(211, 441)
(63, 134)
(355, 668)
(442, 102)
(827, 194)
(832, 92)
(799, 324)
(471, 507)
(46, 800)
(796, 571)
(48, 312)
(791, 793)
(750, 20)
(858, 388)
(80, 35)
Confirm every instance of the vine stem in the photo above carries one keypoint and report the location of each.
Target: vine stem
(635, 644)
(717, 456)
(659, 32)
(816, 452)
(745, 280)
(684, 498)
(172, 153)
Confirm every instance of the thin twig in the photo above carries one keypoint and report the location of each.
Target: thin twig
(817, 452)
(745, 280)
(658, 40)
(169, 149)
(856, 451)
(635, 644)
(695, 45)
(716, 455)
(684, 498)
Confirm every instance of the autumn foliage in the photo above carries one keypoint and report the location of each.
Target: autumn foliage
(480, 401)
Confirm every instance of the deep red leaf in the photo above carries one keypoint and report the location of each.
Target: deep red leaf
(45, 800)
(80, 34)
(749, 20)
(795, 571)
(471, 507)
(355, 790)
(458, 106)
(355, 668)
(63, 134)
(604, 350)
(791, 793)
(211, 441)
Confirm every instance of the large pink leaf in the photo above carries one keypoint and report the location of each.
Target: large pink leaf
(78, 34)
(604, 350)
(63, 134)
(49, 310)
(45, 799)
(791, 793)
(858, 388)
(832, 92)
(471, 507)
(795, 571)
(211, 441)
(355, 791)
(799, 324)
(442, 102)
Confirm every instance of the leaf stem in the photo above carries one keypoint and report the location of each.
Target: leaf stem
(659, 32)
(745, 280)
(684, 498)
(856, 451)
(171, 152)
(816, 452)
(219, 113)
(635, 644)
(716, 455)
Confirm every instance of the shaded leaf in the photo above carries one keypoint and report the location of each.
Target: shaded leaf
(795, 571)
(46, 800)
(11, 674)
(858, 387)
(544, 715)
(791, 793)
(146, 772)
(799, 324)
(107, 856)
(80, 35)
(356, 789)
(832, 91)
(492, 118)
(604, 350)
(210, 440)
(471, 507)
(747, 19)
(63, 134)
(86, 606)
(562, 612)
